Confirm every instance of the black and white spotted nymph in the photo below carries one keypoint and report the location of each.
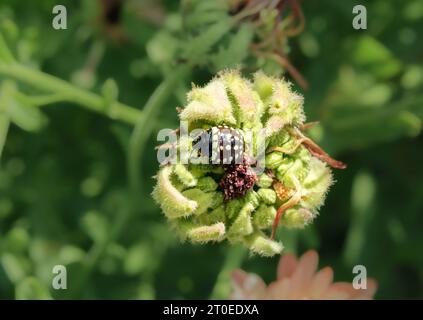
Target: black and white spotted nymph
(220, 145)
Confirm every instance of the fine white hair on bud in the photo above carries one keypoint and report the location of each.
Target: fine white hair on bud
(210, 104)
(172, 202)
(228, 198)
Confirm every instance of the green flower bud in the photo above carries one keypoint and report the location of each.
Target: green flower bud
(303, 154)
(177, 183)
(204, 200)
(263, 246)
(202, 234)
(275, 125)
(292, 168)
(265, 181)
(264, 216)
(297, 217)
(274, 160)
(184, 175)
(242, 97)
(198, 171)
(282, 169)
(263, 85)
(286, 104)
(253, 198)
(172, 202)
(210, 104)
(233, 207)
(291, 188)
(278, 139)
(297, 169)
(216, 215)
(217, 199)
(201, 170)
(242, 224)
(316, 184)
(207, 184)
(267, 195)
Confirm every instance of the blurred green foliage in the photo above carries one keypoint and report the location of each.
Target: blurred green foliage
(64, 192)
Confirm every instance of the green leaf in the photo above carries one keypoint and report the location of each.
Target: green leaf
(17, 240)
(162, 48)
(237, 49)
(25, 116)
(199, 13)
(362, 202)
(14, 266)
(32, 289)
(413, 77)
(5, 54)
(377, 58)
(96, 226)
(18, 110)
(137, 259)
(363, 128)
(197, 47)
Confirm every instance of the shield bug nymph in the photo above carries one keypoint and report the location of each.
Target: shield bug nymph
(225, 145)
(220, 145)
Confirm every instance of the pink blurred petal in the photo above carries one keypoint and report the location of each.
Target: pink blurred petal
(278, 290)
(368, 293)
(371, 286)
(298, 279)
(247, 285)
(345, 287)
(286, 267)
(320, 283)
(301, 278)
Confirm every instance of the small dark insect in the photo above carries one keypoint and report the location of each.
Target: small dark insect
(221, 145)
(225, 145)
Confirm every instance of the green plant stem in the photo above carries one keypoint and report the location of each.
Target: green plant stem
(233, 260)
(69, 92)
(42, 100)
(146, 123)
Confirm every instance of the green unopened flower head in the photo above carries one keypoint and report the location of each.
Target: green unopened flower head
(229, 194)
